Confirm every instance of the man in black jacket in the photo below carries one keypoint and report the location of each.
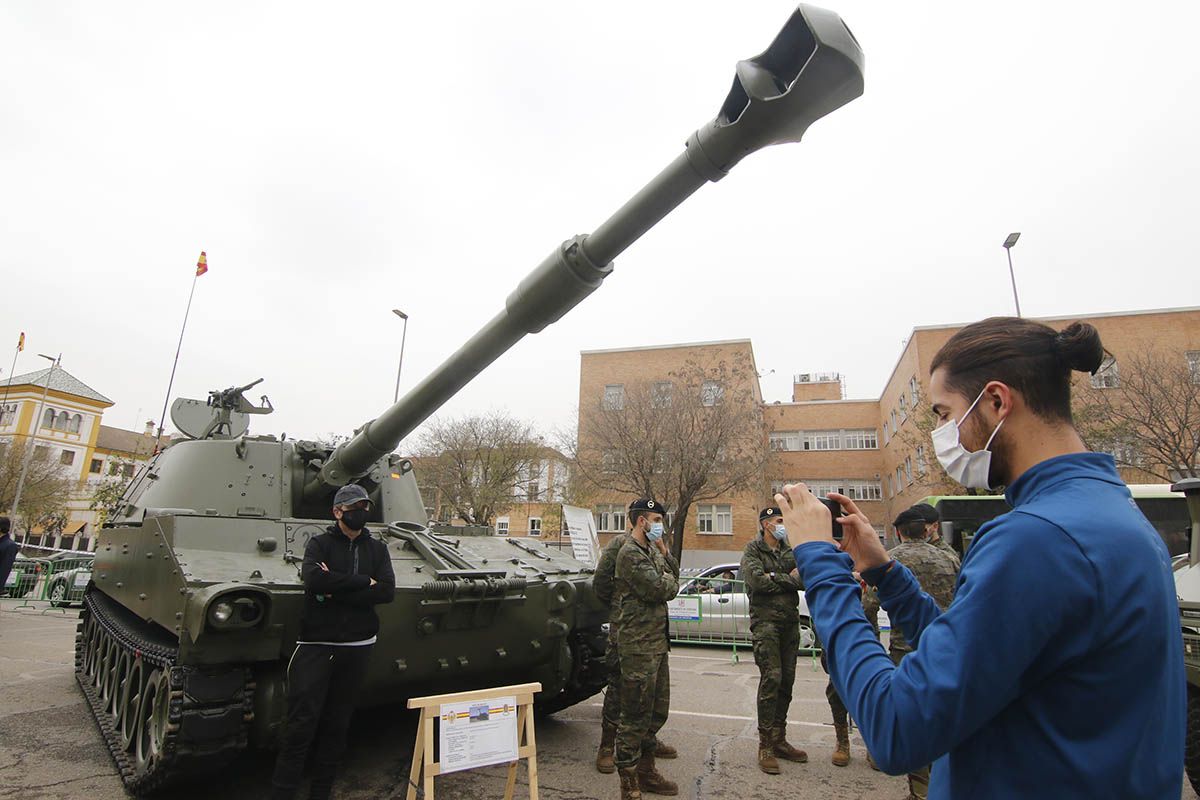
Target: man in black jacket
(346, 573)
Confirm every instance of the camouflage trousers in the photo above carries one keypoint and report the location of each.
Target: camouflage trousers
(645, 702)
(611, 715)
(776, 647)
(918, 779)
(836, 706)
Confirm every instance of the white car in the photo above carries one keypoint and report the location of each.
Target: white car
(712, 607)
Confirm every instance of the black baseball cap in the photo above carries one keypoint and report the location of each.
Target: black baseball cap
(350, 494)
(768, 512)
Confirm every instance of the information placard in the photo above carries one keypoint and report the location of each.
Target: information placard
(581, 527)
(684, 608)
(478, 733)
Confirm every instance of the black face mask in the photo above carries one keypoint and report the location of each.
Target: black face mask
(354, 518)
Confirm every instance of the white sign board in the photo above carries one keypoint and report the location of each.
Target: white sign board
(478, 733)
(81, 579)
(13, 577)
(684, 608)
(581, 526)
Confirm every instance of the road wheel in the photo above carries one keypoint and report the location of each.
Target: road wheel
(131, 701)
(58, 594)
(152, 721)
(1191, 749)
(122, 664)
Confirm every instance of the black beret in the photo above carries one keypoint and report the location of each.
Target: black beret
(646, 504)
(768, 512)
(927, 512)
(906, 516)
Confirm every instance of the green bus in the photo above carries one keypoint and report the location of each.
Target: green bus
(1166, 510)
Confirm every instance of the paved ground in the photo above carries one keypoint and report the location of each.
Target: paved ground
(50, 748)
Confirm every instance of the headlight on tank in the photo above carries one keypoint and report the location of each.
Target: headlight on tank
(235, 611)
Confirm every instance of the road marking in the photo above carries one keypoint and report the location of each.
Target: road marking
(734, 717)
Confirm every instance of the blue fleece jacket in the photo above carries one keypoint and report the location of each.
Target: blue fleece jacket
(1057, 672)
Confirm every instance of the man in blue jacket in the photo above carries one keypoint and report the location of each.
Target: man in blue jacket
(1057, 672)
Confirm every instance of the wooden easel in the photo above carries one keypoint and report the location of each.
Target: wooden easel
(425, 769)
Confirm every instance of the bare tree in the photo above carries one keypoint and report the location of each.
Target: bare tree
(1145, 410)
(915, 436)
(696, 435)
(478, 466)
(45, 491)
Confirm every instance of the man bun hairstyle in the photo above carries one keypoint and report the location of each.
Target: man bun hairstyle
(1029, 356)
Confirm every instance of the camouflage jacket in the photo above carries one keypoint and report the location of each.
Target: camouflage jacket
(944, 546)
(870, 601)
(645, 581)
(773, 593)
(604, 578)
(935, 571)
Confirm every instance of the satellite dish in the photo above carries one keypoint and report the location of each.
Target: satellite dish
(193, 418)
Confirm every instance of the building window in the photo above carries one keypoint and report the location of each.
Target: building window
(864, 490)
(116, 468)
(895, 425)
(96, 466)
(66, 458)
(903, 408)
(711, 393)
(914, 389)
(860, 439)
(714, 519)
(899, 479)
(41, 451)
(823, 440)
(660, 394)
(1193, 362)
(535, 526)
(614, 397)
(610, 517)
(75, 424)
(8, 414)
(60, 422)
(922, 465)
(1107, 377)
(887, 434)
(820, 488)
(785, 440)
(48, 418)
(502, 526)
(908, 473)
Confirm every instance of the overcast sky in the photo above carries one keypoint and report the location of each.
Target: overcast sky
(340, 160)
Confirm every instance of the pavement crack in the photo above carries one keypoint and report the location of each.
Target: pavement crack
(711, 763)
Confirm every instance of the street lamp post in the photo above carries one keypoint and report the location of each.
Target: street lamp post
(403, 336)
(37, 421)
(1008, 245)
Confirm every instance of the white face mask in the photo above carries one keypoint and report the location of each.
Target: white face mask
(779, 532)
(969, 469)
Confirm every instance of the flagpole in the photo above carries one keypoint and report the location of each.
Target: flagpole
(12, 370)
(163, 417)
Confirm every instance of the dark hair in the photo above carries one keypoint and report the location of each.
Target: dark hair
(912, 530)
(1032, 358)
(5, 525)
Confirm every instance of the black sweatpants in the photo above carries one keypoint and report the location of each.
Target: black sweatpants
(322, 688)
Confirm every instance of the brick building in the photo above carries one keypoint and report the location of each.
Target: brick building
(871, 449)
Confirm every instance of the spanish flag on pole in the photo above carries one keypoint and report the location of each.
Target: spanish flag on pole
(202, 264)
(21, 342)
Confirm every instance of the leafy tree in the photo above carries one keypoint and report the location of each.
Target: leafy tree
(691, 436)
(478, 466)
(46, 489)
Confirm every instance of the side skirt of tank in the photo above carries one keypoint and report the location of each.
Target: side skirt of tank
(161, 721)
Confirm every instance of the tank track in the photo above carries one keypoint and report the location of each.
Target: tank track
(207, 711)
(589, 673)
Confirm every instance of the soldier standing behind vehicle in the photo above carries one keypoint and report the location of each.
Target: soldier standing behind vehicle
(603, 584)
(647, 576)
(773, 589)
(933, 530)
(936, 572)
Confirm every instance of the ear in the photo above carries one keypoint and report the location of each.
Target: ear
(1000, 398)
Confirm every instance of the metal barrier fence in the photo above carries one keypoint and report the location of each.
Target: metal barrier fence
(716, 611)
(60, 577)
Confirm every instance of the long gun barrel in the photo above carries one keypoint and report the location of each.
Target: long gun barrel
(813, 67)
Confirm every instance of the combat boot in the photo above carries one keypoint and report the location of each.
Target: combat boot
(841, 756)
(785, 750)
(664, 750)
(604, 756)
(766, 753)
(651, 780)
(630, 789)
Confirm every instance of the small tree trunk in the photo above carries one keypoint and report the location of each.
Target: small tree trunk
(677, 527)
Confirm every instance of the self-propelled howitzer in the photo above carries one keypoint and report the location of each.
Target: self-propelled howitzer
(195, 598)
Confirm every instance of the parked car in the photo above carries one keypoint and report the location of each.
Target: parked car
(24, 576)
(724, 609)
(68, 579)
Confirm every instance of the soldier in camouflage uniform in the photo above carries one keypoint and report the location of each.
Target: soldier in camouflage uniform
(841, 717)
(773, 589)
(603, 584)
(936, 572)
(933, 530)
(647, 576)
